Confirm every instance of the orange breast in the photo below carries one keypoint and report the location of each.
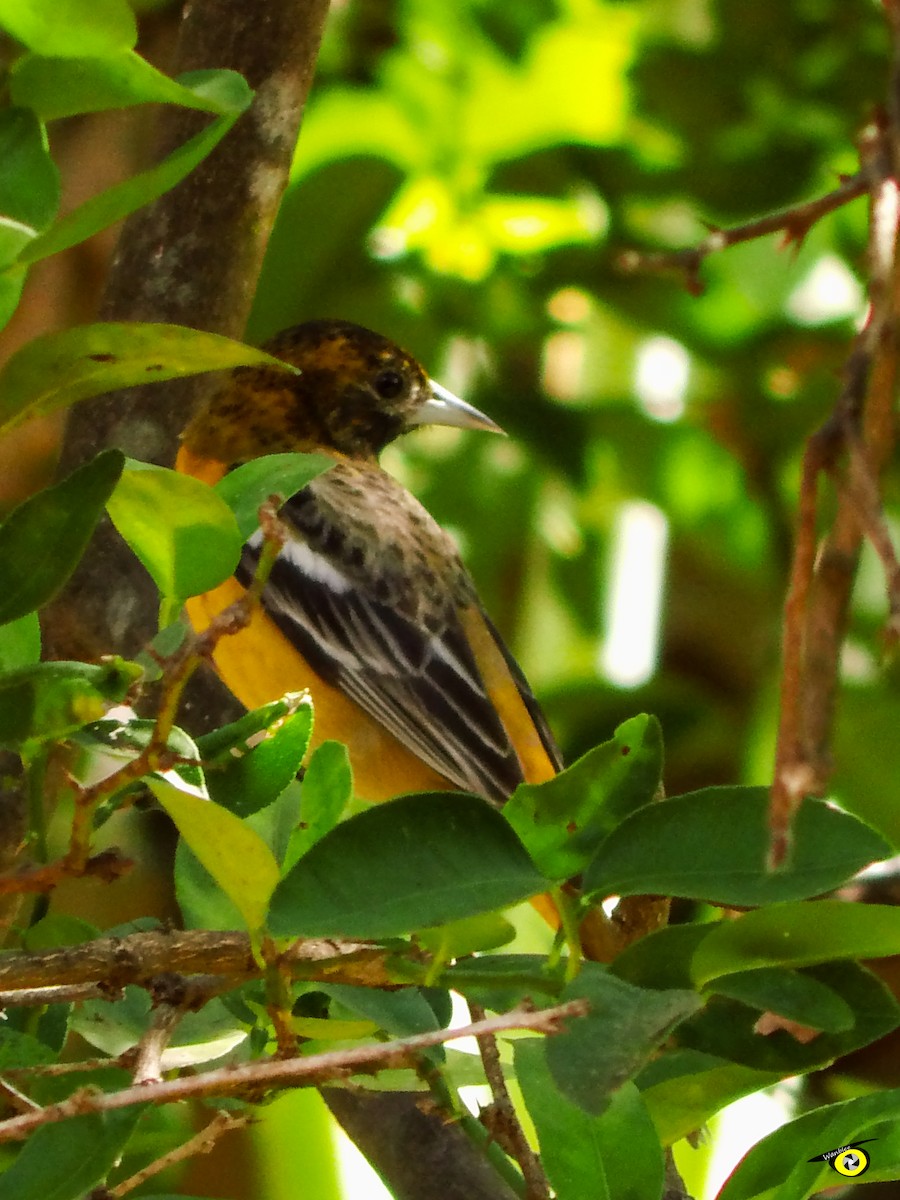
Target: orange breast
(259, 664)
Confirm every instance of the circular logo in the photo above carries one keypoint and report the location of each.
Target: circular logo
(851, 1163)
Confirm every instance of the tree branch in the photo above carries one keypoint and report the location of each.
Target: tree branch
(248, 1078)
(852, 447)
(140, 958)
(794, 222)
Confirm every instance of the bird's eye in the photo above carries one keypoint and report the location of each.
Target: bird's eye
(389, 384)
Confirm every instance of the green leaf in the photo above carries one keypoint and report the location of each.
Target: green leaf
(63, 87)
(43, 539)
(57, 369)
(792, 994)
(779, 1165)
(501, 981)
(250, 781)
(277, 821)
(327, 790)
(19, 1049)
(713, 845)
(250, 485)
(106, 746)
(616, 1156)
(683, 1089)
(404, 865)
(237, 857)
(456, 939)
(218, 743)
(12, 280)
(70, 27)
(729, 1029)
(133, 193)
(29, 182)
(49, 701)
(402, 1013)
(563, 821)
(663, 958)
(798, 935)
(58, 929)
(623, 1028)
(20, 643)
(65, 1161)
(202, 903)
(178, 527)
(199, 1037)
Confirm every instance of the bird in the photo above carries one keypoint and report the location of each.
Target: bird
(368, 604)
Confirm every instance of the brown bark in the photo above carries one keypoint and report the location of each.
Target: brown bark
(191, 258)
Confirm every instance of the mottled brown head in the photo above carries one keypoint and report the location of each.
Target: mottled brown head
(355, 393)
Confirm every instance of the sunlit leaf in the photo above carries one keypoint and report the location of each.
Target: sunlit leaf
(237, 858)
(180, 530)
(56, 370)
(20, 642)
(62, 87)
(133, 193)
(253, 483)
(70, 27)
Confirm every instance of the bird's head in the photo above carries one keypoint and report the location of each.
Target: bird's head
(356, 392)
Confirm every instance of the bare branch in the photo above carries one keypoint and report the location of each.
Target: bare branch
(140, 958)
(503, 1122)
(201, 1143)
(852, 447)
(794, 222)
(249, 1078)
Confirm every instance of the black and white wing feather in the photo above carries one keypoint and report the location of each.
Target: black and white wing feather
(418, 678)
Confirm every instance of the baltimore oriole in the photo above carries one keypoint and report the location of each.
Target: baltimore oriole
(368, 604)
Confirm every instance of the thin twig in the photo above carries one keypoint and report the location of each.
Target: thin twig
(83, 1066)
(201, 1143)
(253, 1077)
(153, 1043)
(504, 1121)
(794, 222)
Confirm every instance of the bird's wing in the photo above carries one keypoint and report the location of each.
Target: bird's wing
(422, 684)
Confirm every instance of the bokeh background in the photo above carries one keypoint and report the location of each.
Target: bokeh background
(466, 179)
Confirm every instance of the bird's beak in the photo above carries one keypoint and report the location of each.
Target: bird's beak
(443, 408)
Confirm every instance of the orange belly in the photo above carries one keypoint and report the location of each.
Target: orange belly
(258, 664)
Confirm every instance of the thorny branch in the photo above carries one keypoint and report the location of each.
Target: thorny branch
(250, 1078)
(794, 223)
